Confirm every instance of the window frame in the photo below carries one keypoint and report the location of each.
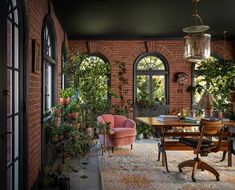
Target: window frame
(49, 61)
(152, 73)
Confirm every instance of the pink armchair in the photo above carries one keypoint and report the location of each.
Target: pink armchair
(124, 131)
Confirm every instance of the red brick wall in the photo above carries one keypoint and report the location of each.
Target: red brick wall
(37, 10)
(128, 52)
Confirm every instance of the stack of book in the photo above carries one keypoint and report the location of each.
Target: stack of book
(193, 119)
(167, 117)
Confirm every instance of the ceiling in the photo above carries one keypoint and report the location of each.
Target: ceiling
(142, 19)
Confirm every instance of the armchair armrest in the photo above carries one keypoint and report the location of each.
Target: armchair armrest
(130, 123)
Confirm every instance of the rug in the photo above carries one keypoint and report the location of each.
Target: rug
(138, 169)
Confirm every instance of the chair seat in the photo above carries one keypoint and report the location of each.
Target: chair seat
(192, 142)
(123, 132)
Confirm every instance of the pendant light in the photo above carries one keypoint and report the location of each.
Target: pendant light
(197, 44)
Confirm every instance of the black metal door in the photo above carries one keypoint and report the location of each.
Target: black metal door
(11, 95)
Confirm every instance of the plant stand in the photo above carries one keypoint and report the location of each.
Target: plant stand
(104, 147)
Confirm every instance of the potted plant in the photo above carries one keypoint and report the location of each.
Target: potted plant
(64, 182)
(66, 95)
(72, 110)
(50, 178)
(140, 131)
(218, 75)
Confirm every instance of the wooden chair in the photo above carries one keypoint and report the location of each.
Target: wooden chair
(203, 145)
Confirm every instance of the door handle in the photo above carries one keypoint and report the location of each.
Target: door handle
(5, 92)
(5, 133)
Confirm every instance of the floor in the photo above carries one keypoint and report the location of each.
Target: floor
(88, 176)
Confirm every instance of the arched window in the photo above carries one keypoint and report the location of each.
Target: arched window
(49, 67)
(151, 79)
(63, 61)
(96, 66)
(151, 85)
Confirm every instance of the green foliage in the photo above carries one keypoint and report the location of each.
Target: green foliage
(144, 129)
(66, 93)
(72, 107)
(122, 108)
(219, 75)
(50, 177)
(89, 76)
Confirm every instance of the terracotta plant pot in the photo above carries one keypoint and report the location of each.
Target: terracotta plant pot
(73, 115)
(65, 101)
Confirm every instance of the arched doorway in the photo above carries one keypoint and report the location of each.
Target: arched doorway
(12, 94)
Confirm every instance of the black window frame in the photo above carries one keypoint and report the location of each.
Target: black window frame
(49, 61)
(151, 73)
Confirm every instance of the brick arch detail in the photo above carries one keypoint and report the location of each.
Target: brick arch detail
(151, 47)
(95, 47)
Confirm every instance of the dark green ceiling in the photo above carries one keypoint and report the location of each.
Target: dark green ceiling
(142, 19)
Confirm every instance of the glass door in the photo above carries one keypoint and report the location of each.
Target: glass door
(11, 114)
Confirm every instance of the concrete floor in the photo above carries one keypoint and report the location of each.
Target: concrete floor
(88, 176)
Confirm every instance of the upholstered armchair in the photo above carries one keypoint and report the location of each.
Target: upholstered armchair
(123, 131)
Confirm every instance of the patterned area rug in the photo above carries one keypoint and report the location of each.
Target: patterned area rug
(138, 169)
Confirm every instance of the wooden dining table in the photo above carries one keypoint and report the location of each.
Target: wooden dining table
(166, 129)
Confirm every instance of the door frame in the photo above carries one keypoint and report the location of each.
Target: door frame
(23, 62)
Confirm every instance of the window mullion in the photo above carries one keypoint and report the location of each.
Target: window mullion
(151, 86)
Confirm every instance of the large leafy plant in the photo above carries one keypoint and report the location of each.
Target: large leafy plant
(89, 76)
(218, 75)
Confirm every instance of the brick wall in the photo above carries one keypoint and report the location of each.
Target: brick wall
(129, 51)
(37, 10)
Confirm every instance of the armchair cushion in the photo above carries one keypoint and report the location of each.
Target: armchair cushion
(108, 118)
(119, 121)
(123, 132)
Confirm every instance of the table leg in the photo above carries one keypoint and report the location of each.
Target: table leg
(229, 150)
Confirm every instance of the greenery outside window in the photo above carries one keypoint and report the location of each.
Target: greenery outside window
(151, 81)
(200, 80)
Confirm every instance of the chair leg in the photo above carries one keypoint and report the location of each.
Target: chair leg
(131, 146)
(223, 157)
(159, 151)
(187, 163)
(193, 171)
(205, 166)
(165, 160)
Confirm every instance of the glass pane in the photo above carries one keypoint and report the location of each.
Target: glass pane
(16, 16)
(9, 88)
(48, 90)
(9, 140)
(9, 43)
(159, 89)
(16, 136)
(150, 63)
(13, 3)
(198, 96)
(16, 94)
(143, 88)
(16, 48)
(16, 176)
(9, 178)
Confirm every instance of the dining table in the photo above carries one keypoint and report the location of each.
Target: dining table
(169, 131)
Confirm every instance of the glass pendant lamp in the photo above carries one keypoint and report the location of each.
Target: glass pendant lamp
(197, 44)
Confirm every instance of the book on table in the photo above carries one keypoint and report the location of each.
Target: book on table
(193, 119)
(167, 117)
